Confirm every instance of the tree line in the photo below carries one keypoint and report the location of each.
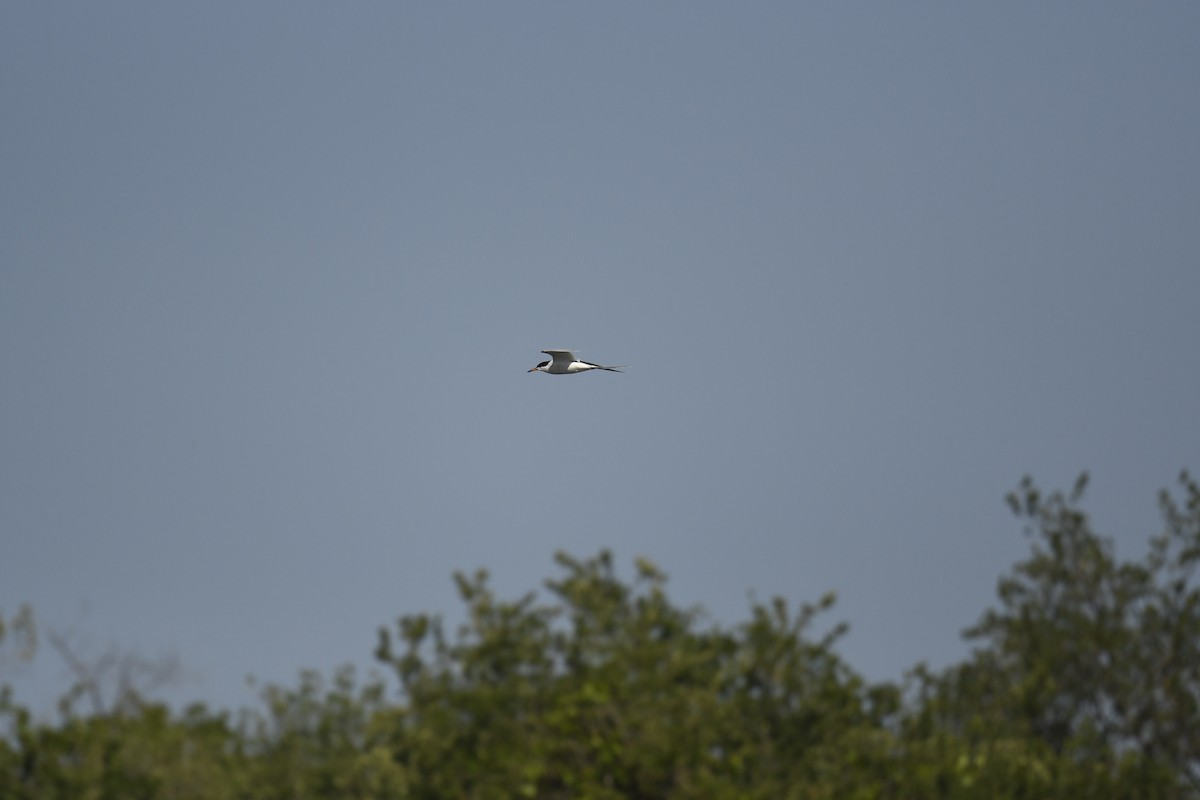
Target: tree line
(1083, 681)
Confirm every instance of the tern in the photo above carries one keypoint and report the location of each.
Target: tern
(564, 362)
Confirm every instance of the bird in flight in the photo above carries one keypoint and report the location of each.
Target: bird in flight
(564, 362)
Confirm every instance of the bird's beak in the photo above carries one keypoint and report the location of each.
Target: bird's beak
(532, 369)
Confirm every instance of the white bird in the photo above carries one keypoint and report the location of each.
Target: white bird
(564, 362)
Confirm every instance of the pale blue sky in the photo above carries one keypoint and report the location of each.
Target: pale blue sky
(272, 274)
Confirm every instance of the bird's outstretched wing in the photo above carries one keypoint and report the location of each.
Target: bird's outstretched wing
(563, 357)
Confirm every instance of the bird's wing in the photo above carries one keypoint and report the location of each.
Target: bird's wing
(563, 356)
(616, 368)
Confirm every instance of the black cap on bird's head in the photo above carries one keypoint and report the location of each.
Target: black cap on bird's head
(539, 366)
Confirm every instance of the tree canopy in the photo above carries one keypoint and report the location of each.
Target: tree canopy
(1083, 681)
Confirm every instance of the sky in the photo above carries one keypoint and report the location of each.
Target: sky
(272, 276)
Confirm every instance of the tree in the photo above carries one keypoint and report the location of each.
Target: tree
(18, 636)
(613, 691)
(116, 680)
(1084, 681)
(1091, 662)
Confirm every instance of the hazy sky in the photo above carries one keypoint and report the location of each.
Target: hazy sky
(272, 274)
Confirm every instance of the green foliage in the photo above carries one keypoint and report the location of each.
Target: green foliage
(612, 691)
(1093, 662)
(147, 754)
(322, 740)
(1084, 682)
(18, 636)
